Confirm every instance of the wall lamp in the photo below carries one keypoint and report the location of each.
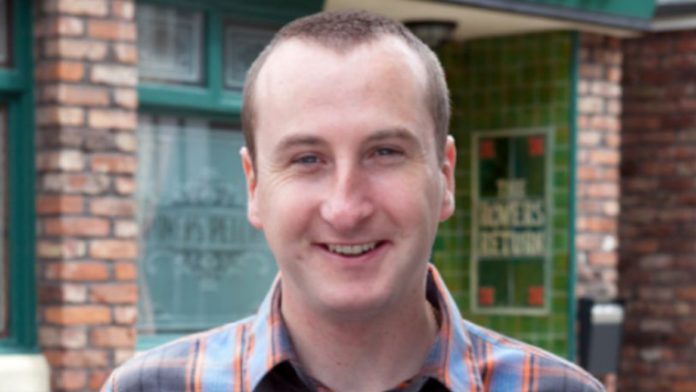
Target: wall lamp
(432, 32)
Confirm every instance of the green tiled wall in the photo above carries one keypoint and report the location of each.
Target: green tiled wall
(501, 83)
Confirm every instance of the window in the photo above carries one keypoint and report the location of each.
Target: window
(242, 45)
(202, 264)
(170, 45)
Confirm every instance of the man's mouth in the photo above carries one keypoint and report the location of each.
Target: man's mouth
(351, 250)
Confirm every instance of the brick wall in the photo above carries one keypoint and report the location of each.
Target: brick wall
(86, 246)
(598, 155)
(658, 213)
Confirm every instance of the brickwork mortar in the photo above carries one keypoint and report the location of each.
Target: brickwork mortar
(86, 116)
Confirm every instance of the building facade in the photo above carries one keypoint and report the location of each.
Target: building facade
(123, 213)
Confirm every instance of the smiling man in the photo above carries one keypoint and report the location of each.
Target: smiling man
(349, 172)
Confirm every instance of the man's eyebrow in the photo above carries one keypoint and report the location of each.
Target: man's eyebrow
(393, 133)
(379, 135)
(298, 140)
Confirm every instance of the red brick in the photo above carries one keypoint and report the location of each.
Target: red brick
(55, 249)
(684, 386)
(126, 98)
(63, 115)
(112, 207)
(76, 358)
(116, 119)
(62, 294)
(63, 337)
(126, 141)
(75, 49)
(609, 259)
(76, 95)
(73, 226)
(114, 293)
(113, 249)
(126, 53)
(596, 224)
(76, 183)
(97, 378)
(126, 229)
(125, 185)
(69, 380)
(609, 157)
(687, 293)
(78, 7)
(59, 204)
(126, 271)
(125, 314)
(115, 75)
(77, 271)
(111, 30)
(113, 163)
(77, 315)
(66, 71)
(60, 25)
(123, 9)
(65, 160)
(113, 337)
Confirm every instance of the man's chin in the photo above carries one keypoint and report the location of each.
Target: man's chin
(355, 306)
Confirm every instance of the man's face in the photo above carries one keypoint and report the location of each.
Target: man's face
(348, 189)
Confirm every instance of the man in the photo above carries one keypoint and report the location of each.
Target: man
(349, 171)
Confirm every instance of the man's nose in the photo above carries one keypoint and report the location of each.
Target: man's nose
(347, 204)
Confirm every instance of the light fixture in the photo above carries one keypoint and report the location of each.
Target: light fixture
(431, 31)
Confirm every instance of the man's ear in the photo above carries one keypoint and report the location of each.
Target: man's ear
(250, 174)
(447, 170)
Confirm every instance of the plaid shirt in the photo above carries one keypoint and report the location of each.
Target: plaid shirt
(255, 354)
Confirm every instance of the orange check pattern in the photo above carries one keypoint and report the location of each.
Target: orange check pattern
(255, 354)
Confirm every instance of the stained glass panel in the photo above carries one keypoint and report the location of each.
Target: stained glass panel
(510, 262)
(242, 45)
(170, 45)
(202, 263)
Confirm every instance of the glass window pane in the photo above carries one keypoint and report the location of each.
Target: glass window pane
(4, 267)
(4, 32)
(170, 44)
(242, 45)
(202, 263)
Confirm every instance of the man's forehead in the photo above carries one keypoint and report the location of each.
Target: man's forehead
(296, 56)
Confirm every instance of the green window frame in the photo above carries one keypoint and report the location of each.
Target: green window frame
(16, 96)
(212, 99)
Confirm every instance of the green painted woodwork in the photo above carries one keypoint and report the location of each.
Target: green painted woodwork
(12, 80)
(212, 98)
(16, 94)
(508, 83)
(640, 9)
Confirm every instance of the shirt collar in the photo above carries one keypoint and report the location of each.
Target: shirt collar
(451, 359)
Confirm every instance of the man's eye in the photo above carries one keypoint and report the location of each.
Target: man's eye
(386, 151)
(306, 160)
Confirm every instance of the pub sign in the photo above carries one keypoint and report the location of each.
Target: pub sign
(511, 216)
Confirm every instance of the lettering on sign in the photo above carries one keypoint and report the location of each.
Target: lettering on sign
(205, 228)
(510, 221)
(511, 227)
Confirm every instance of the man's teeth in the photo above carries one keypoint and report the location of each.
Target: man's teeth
(352, 250)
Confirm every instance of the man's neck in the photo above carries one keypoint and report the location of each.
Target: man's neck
(362, 355)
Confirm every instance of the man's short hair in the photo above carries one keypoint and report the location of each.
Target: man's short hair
(342, 31)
